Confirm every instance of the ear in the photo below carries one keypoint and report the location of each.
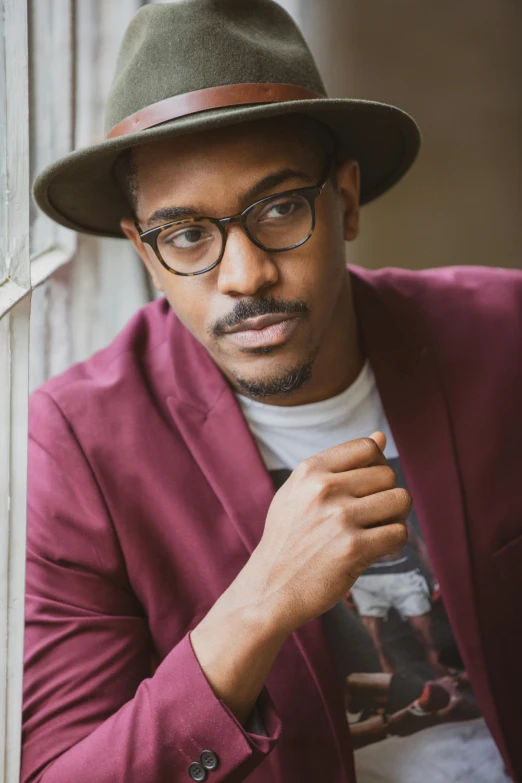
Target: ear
(348, 186)
(131, 232)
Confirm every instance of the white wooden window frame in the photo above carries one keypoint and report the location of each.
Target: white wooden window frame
(51, 101)
(52, 30)
(15, 289)
(47, 52)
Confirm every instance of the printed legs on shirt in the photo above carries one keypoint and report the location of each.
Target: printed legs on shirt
(408, 593)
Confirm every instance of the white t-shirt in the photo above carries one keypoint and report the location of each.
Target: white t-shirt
(387, 600)
(286, 435)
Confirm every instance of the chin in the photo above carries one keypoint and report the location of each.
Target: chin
(278, 379)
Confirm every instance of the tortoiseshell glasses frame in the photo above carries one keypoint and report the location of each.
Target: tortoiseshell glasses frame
(308, 193)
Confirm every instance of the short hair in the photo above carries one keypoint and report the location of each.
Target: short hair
(126, 177)
(125, 172)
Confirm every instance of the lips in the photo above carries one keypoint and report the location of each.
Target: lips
(259, 322)
(276, 333)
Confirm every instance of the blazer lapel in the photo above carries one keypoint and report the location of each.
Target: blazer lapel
(223, 446)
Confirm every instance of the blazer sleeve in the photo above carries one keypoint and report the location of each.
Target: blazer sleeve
(95, 708)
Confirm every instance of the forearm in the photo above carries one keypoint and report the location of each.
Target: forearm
(367, 732)
(236, 644)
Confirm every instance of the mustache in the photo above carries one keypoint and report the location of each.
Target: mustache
(267, 306)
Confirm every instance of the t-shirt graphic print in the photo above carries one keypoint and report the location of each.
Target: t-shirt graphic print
(409, 704)
(410, 697)
(415, 677)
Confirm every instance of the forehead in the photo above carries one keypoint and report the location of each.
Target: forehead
(236, 156)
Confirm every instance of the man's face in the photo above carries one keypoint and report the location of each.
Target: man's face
(215, 174)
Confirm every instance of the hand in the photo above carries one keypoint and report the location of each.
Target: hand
(337, 513)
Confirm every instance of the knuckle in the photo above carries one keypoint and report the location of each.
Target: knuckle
(337, 522)
(352, 549)
(322, 489)
(304, 469)
(308, 466)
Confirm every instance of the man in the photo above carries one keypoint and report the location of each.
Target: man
(204, 492)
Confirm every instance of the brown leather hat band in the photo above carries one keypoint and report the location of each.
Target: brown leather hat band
(210, 98)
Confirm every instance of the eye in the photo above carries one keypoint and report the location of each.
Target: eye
(186, 239)
(283, 208)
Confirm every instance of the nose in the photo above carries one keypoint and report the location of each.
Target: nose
(245, 268)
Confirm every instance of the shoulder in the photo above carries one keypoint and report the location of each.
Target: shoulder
(449, 280)
(95, 385)
(456, 293)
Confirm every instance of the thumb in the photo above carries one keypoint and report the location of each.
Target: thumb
(379, 438)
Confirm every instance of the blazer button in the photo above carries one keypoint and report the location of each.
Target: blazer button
(197, 772)
(209, 759)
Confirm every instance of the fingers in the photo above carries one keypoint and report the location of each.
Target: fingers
(371, 544)
(373, 510)
(367, 481)
(359, 453)
(379, 438)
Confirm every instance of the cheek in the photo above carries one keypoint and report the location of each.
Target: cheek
(189, 302)
(329, 230)
(326, 264)
(332, 244)
(326, 284)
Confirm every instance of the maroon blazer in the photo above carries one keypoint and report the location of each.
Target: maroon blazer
(147, 494)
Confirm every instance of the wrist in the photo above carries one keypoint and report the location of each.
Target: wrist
(236, 643)
(261, 609)
(387, 724)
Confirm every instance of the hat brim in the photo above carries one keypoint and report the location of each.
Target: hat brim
(80, 191)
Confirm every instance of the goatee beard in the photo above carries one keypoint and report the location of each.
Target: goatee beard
(285, 383)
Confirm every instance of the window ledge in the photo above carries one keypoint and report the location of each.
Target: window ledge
(44, 265)
(10, 294)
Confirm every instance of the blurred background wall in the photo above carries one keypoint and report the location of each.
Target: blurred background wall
(456, 67)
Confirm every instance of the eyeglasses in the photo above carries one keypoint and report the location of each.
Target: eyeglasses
(275, 223)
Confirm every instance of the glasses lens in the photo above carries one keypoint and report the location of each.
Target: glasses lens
(190, 247)
(281, 222)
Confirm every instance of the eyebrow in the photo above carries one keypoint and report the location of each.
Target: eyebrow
(165, 214)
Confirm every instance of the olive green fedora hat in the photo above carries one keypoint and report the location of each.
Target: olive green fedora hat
(195, 65)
